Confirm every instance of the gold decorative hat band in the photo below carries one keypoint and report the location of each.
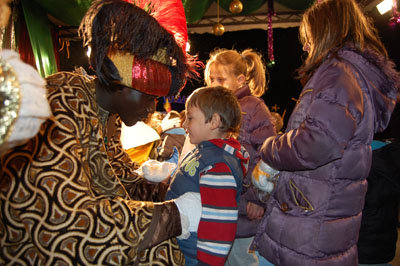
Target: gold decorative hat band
(145, 75)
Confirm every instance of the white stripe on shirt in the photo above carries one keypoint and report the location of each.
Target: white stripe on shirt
(218, 180)
(219, 214)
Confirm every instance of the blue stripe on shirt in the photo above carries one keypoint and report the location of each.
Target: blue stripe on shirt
(215, 248)
(218, 180)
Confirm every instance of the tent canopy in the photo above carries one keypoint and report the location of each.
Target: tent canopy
(200, 14)
(70, 12)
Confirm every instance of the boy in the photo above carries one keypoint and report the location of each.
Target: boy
(214, 169)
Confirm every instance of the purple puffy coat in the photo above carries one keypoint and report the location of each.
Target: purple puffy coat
(257, 125)
(313, 216)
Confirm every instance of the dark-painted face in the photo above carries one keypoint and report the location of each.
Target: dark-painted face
(132, 105)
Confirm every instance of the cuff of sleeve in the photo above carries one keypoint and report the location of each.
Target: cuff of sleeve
(185, 226)
(165, 224)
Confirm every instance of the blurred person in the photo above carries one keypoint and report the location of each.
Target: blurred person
(378, 232)
(173, 136)
(278, 121)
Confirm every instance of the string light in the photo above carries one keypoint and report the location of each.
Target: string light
(187, 47)
(395, 19)
(271, 57)
(89, 51)
(384, 6)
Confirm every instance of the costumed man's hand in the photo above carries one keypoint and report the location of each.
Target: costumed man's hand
(155, 171)
(173, 218)
(189, 206)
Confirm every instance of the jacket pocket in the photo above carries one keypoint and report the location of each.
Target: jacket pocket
(299, 198)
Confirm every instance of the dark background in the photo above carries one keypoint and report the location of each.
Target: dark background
(283, 87)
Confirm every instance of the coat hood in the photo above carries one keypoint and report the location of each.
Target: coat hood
(381, 79)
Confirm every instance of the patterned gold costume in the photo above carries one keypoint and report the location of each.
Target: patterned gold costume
(62, 198)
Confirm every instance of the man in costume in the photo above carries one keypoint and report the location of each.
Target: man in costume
(70, 196)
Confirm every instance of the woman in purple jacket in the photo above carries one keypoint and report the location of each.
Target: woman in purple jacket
(314, 213)
(244, 73)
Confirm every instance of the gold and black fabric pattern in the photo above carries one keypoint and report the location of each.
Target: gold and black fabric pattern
(61, 201)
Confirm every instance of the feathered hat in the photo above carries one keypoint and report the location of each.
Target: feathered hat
(139, 43)
(171, 16)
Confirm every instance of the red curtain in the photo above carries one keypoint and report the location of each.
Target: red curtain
(24, 44)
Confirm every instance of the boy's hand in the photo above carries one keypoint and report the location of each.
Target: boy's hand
(254, 211)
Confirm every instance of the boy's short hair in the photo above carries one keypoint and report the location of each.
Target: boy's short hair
(219, 100)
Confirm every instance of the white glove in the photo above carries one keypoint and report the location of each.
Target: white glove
(264, 177)
(189, 206)
(168, 123)
(156, 171)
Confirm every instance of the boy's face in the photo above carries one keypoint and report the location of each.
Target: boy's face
(196, 126)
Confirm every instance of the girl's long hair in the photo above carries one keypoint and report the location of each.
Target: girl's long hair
(329, 25)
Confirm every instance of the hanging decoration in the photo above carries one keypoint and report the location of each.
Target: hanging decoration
(235, 7)
(218, 28)
(395, 19)
(271, 12)
(64, 44)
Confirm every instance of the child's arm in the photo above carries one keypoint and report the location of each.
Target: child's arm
(219, 216)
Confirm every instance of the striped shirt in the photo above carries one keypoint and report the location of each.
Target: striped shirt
(217, 227)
